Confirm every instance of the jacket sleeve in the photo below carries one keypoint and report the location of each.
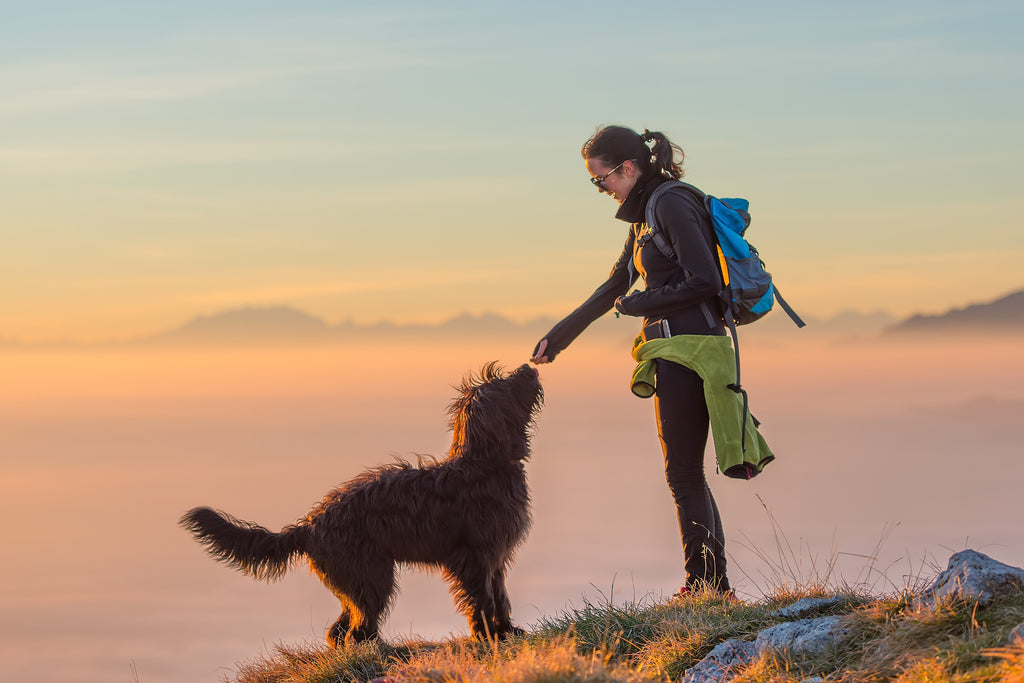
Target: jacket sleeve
(600, 302)
(682, 222)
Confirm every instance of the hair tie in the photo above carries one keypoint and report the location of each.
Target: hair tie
(647, 136)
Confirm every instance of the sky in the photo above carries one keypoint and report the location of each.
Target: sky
(412, 161)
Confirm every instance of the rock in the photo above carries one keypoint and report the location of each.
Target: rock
(1017, 634)
(720, 664)
(807, 607)
(804, 637)
(972, 576)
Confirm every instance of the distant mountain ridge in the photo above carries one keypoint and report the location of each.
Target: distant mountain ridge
(1005, 314)
(287, 325)
(277, 323)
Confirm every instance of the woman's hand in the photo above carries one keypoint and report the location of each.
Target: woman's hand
(622, 305)
(538, 354)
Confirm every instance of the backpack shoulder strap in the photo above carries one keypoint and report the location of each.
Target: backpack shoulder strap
(653, 230)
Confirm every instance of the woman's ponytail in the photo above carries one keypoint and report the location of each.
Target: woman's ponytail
(663, 154)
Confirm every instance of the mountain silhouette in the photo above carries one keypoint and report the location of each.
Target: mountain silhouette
(287, 325)
(1004, 314)
(284, 325)
(269, 324)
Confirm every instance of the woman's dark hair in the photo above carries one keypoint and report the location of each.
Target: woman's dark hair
(614, 144)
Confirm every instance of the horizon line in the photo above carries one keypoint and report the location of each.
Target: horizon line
(320, 325)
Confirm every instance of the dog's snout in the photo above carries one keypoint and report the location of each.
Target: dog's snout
(526, 367)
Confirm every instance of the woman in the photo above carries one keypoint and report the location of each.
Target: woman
(682, 293)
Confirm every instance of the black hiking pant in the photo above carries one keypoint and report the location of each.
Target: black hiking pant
(683, 428)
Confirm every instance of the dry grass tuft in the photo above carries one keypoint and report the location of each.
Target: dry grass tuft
(321, 664)
(1010, 666)
(553, 661)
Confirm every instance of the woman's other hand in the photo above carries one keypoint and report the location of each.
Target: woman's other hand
(538, 353)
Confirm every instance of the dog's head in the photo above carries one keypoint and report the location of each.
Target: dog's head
(494, 412)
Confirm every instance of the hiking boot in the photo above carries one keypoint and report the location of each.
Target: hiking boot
(686, 592)
(683, 592)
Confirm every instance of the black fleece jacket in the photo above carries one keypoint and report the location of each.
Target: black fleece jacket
(675, 290)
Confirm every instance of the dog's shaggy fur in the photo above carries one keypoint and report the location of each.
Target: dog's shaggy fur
(464, 515)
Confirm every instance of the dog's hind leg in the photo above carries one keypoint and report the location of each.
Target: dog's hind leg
(358, 621)
(339, 629)
(370, 589)
(364, 585)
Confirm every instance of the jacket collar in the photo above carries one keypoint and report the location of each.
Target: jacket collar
(634, 208)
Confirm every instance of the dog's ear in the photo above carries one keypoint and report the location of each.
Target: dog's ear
(469, 388)
(491, 371)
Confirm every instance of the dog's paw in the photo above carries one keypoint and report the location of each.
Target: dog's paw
(513, 632)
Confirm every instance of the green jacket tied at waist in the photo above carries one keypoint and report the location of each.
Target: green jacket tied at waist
(712, 358)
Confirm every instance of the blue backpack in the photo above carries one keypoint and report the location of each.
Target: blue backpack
(748, 292)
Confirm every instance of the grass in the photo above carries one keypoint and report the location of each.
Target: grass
(893, 638)
(894, 641)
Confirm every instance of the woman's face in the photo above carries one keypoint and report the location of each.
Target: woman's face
(618, 180)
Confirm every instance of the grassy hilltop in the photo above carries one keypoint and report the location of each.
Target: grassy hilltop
(892, 639)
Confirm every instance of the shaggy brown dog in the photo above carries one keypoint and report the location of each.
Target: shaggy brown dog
(464, 515)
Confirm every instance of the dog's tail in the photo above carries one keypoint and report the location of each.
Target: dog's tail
(248, 547)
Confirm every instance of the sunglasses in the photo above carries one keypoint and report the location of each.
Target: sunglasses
(598, 180)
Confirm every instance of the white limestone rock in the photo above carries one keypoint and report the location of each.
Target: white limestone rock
(721, 664)
(972, 576)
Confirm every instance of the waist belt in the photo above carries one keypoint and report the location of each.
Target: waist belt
(659, 329)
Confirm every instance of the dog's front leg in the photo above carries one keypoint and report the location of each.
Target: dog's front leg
(501, 613)
(470, 585)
